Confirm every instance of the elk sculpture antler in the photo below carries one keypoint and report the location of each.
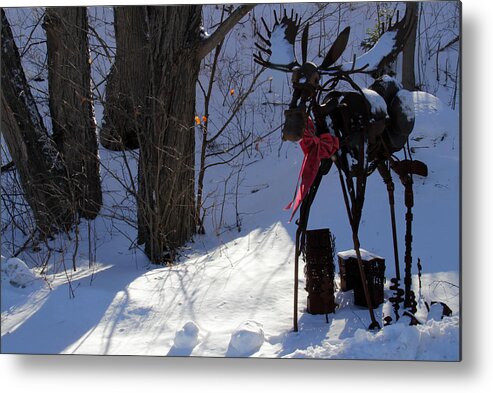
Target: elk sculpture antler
(284, 31)
(370, 62)
(278, 52)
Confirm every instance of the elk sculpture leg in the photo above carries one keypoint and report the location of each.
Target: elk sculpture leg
(354, 197)
(384, 171)
(301, 231)
(396, 299)
(409, 296)
(297, 253)
(354, 223)
(407, 181)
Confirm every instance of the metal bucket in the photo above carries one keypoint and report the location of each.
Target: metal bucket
(375, 277)
(319, 271)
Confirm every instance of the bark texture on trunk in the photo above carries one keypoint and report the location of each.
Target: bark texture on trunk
(71, 104)
(166, 168)
(42, 174)
(408, 53)
(166, 208)
(128, 81)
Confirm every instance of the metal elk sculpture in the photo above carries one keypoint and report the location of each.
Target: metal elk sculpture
(367, 127)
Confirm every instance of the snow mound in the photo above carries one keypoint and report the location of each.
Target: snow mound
(433, 119)
(397, 341)
(440, 340)
(247, 339)
(433, 340)
(187, 337)
(17, 273)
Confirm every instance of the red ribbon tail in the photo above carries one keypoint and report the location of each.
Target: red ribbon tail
(296, 190)
(295, 203)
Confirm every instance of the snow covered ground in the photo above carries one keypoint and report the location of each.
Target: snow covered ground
(231, 294)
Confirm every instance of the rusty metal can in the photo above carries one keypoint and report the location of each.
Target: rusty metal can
(319, 271)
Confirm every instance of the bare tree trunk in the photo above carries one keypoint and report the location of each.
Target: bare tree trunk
(167, 146)
(408, 53)
(168, 143)
(128, 81)
(71, 104)
(42, 174)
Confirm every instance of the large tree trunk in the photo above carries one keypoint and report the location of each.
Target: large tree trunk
(42, 174)
(166, 168)
(128, 81)
(408, 53)
(166, 210)
(71, 104)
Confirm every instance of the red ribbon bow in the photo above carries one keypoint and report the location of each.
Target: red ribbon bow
(315, 149)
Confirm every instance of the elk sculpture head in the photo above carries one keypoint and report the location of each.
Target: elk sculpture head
(307, 76)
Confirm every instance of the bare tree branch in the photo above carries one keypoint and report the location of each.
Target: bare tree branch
(237, 107)
(7, 167)
(452, 42)
(210, 43)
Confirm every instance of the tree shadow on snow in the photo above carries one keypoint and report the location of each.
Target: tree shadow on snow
(61, 321)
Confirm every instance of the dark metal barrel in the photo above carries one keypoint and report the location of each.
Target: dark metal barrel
(351, 279)
(319, 271)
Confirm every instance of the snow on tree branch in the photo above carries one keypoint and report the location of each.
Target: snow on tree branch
(215, 38)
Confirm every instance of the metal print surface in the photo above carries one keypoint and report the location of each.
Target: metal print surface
(258, 180)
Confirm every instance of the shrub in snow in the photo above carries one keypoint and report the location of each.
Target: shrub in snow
(247, 338)
(17, 272)
(187, 336)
